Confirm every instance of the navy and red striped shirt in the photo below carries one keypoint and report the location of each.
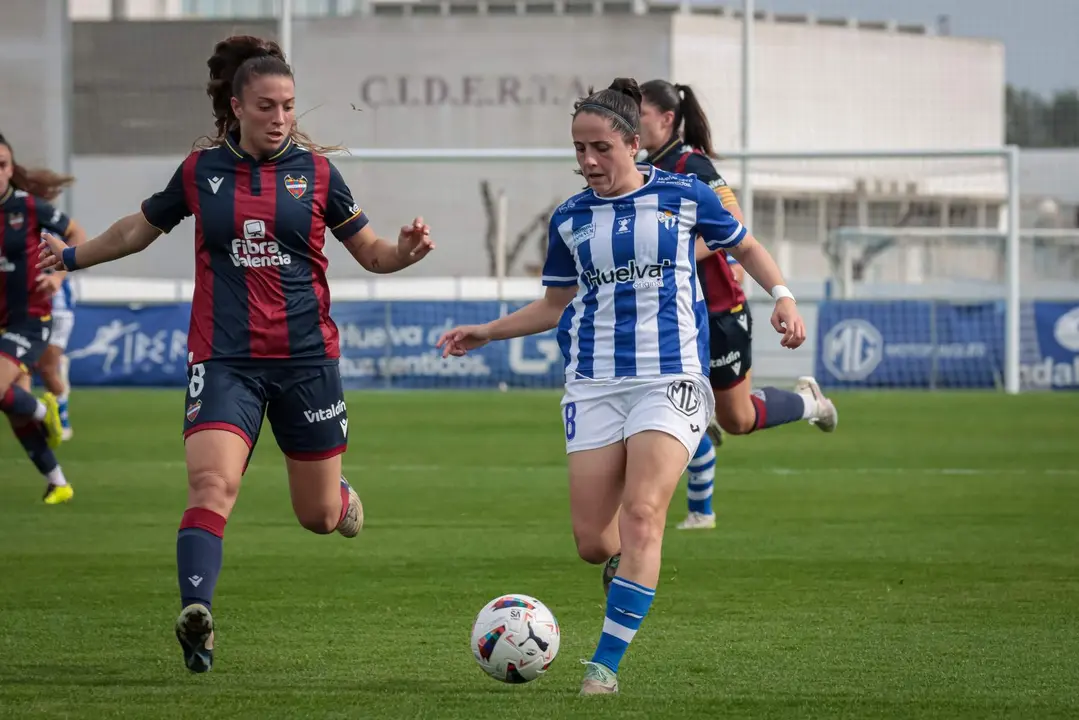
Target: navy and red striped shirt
(22, 218)
(721, 291)
(260, 270)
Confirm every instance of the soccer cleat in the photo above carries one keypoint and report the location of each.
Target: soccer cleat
(827, 416)
(56, 494)
(195, 631)
(54, 430)
(609, 571)
(599, 680)
(352, 522)
(65, 421)
(698, 521)
(714, 433)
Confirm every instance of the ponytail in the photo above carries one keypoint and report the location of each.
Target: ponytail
(689, 117)
(695, 129)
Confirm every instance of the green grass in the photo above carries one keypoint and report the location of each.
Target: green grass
(921, 562)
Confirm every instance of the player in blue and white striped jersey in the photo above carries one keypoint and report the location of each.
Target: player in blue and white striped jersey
(622, 289)
(53, 366)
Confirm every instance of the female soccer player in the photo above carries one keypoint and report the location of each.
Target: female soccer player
(622, 290)
(53, 365)
(676, 134)
(25, 309)
(261, 337)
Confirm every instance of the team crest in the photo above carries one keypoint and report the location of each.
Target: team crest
(667, 218)
(193, 410)
(15, 220)
(296, 186)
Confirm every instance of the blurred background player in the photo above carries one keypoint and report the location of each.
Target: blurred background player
(621, 288)
(676, 134)
(53, 365)
(261, 337)
(26, 308)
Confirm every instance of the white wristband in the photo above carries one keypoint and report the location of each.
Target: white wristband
(782, 291)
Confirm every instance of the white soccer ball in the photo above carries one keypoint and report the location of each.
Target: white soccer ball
(515, 638)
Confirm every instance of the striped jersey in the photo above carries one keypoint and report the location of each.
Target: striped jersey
(22, 218)
(260, 268)
(639, 309)
(64, 299)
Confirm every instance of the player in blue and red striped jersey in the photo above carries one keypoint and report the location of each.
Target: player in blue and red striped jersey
(261, 337)
(675, 131)
(25, 310)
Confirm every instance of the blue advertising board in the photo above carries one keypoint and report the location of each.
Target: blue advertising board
(910, 344)
(383, 345)
(1054, 363)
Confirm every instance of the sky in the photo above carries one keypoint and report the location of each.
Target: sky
(1041, 37)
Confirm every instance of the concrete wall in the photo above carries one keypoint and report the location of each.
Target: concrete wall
(36, 84)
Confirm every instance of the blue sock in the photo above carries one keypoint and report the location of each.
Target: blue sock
(702, 474)
(777, 407)
(198, 555)
(627, 604)
(17, 402)
(32, 439)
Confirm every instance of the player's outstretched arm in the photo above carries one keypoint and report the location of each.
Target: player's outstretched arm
(760, 266)
(536, 317)
(124, 237)
(381, 256)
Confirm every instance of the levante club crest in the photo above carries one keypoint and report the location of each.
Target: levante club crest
(296, 186)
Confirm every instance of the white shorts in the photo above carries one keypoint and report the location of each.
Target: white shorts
(597, 413)
(63, 322)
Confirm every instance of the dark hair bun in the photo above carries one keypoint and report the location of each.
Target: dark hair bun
(230, 54)
(628, 87)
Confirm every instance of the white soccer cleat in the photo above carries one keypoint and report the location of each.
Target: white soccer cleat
(599, 680)
(714, 432)
(66, 434)
(352, 522)
(827, 417)
(698, 521)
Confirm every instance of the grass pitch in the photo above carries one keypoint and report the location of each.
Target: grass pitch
(921, 562)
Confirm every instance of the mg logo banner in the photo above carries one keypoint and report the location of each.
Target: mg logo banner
(906, 344)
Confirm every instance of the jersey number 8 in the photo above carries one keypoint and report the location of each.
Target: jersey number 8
(198, 382)
(571, 420)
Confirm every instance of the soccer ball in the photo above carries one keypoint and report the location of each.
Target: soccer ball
(515, 638)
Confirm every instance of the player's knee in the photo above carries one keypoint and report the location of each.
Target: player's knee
(641, 523)
(320, 520)
(737, 421)
(594, 548)
(212, 489)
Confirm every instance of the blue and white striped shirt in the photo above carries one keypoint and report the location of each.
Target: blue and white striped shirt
(64, 298)
(639, 309)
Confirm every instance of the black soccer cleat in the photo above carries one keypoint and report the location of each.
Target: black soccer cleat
(195, 631)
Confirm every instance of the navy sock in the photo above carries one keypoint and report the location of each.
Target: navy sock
(777, 407)
(32, 439)
(198, 555)
(702, 473)
(18, 402)
(627, 604)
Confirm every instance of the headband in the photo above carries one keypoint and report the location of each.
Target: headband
(613, 113)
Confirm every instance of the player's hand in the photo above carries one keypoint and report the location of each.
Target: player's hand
(788, 322)
(49, 283)
(414, 241)
(49, 252)
(460, 340)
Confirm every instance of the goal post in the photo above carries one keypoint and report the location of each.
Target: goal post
(843, 173)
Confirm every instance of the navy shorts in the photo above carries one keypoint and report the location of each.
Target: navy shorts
(24, 343)
(305, 405)
(731, 343)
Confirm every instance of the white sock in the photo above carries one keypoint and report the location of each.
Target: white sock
(40, 411)
(62, 398)
(56, 476)
(811, 409)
